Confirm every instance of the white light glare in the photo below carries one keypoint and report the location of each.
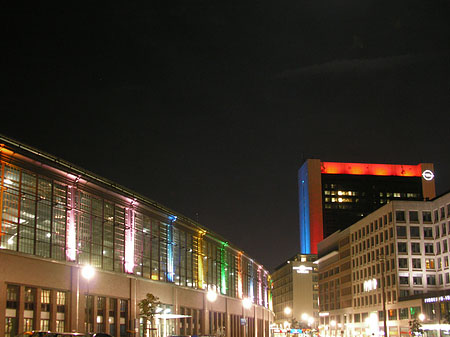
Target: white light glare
(211, 295)
(247, 303)
(88, 272)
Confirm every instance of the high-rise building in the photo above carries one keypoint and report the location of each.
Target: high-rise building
(332, 196)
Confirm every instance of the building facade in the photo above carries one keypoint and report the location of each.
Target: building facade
(56, 218)
(335, 195)
(386, 269)
(296, 291)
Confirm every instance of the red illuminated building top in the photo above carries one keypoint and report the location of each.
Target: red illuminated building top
(371, 169)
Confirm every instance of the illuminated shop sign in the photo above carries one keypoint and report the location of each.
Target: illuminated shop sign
(370, 285)
(437, 299)
(302, 269)
(428, 175)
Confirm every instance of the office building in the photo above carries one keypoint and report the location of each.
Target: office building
(295, 292)
(388, 269)
(335, 195)
(57, 218)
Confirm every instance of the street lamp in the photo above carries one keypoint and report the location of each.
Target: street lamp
(287, 311)
(246, 304)
(333, 326)
(88, 273)
(211, 296)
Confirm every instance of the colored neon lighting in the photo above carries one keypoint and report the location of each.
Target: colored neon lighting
(200, 275)
(170, 272)
(129, 240)
(269, 291)
(251, 294)
(303, 191)
(371, 169)
(71, 233)
(239, 271)
(223, 269)
(260, 297)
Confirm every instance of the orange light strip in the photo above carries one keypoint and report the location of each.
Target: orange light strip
(371, 169)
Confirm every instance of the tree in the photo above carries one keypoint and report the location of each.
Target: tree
(415, 327)
(147, 308)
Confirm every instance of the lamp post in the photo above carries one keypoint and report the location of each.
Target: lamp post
(211, 296)
(246, 304)
(88, 272)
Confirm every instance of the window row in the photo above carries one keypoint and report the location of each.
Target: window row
(372, 227)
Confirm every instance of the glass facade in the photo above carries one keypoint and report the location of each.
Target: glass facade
(50, 215)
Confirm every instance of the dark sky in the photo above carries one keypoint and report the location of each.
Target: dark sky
(208, 107)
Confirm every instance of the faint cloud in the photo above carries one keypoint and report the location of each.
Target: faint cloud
(362, 65)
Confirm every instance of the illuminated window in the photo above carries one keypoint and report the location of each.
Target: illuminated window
(392, 314)
(45, 324)
(45, 301)
(429, 263)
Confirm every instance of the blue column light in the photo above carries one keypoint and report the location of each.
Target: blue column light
(170, 271)
(303, 197)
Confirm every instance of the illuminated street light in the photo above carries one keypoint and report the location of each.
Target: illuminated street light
(422, 317)
(247, 303)
(211, 295)
(88, 272)
(333, 323)
(287, 311)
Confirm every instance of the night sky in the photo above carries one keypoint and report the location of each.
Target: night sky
(209, 107)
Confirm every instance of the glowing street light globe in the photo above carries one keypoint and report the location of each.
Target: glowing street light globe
(88, 272)
(287, 310)
(247, 303)
(211, 296)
